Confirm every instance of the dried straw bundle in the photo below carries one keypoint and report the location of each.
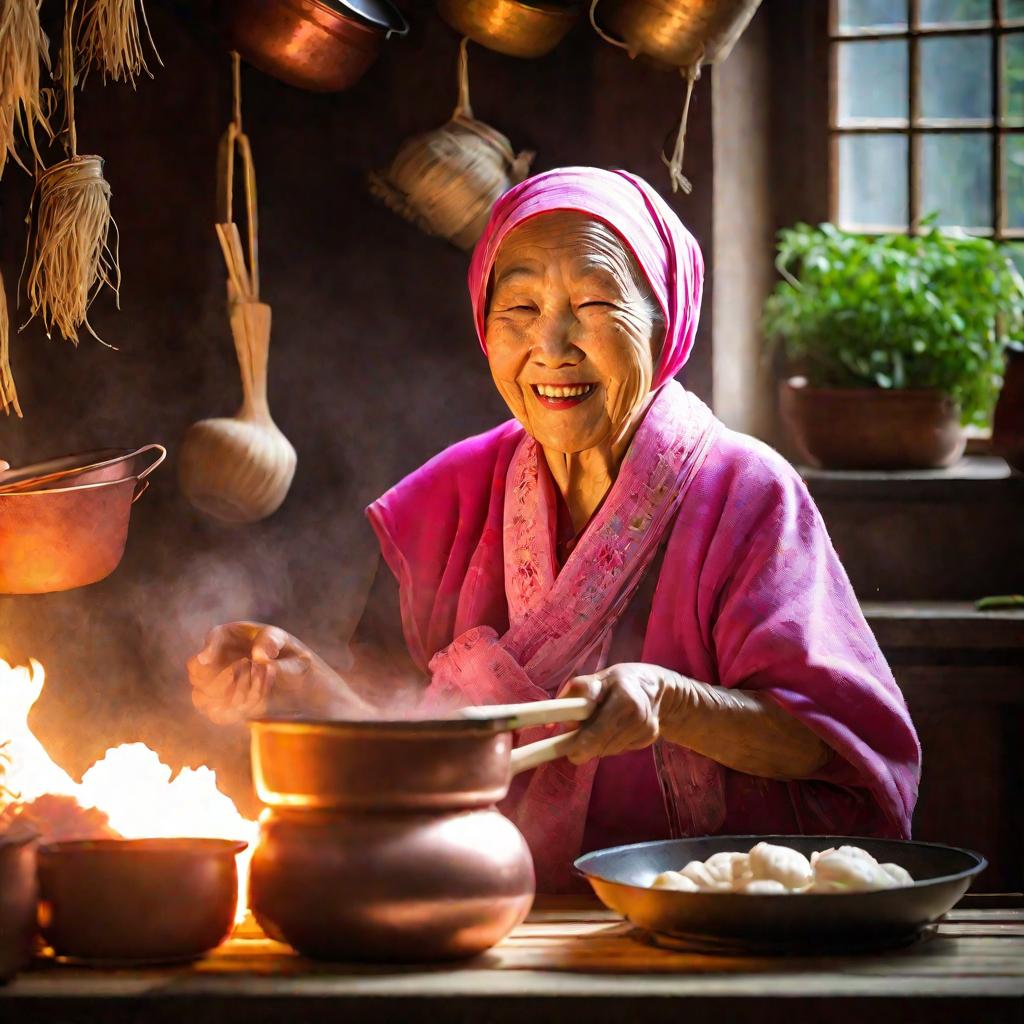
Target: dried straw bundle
(446, 181)
(110, 38)
(8, 392)
(23, 47)
(71, 260)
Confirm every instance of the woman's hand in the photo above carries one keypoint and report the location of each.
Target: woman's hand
(743, 730)
(242, 665)
(632, 699)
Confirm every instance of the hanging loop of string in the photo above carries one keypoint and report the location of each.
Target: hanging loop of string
(68, 73)
(601, 32)
(463, 107)
(234, 137)
(675, 162)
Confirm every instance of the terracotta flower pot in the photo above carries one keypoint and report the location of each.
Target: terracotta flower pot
(872, 428)
(1008, 424)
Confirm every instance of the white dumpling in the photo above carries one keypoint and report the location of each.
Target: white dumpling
(761, 887)
(698, 872)
(781, 864)
(722, 866)
(674, 880)
(900, 875)
(849, 873)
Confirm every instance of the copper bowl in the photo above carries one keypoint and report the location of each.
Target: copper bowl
(320, 45)
(676, 33)
(519, 28)
(137, 900)
(72, 530)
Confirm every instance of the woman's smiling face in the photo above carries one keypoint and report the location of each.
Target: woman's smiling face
(573, 334)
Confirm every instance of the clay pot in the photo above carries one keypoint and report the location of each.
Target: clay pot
(17, 902)
(1008, 423)
(872, 428)
(390, 886)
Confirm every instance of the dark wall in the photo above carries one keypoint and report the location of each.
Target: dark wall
(374, 365)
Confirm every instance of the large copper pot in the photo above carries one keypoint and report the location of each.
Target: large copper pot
(320, 45)
(383, 842)
(519, 28)
(64, 523)
(676, 33)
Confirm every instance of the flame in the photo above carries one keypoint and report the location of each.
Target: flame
(129, 784)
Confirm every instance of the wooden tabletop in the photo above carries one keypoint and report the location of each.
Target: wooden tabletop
(570, 957)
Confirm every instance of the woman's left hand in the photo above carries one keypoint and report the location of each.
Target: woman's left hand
(632, 699)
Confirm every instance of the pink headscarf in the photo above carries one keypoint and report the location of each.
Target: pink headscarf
(664, 250)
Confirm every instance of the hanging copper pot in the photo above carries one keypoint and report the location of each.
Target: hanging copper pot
(519, 28)
(675, 33)
(320, 45)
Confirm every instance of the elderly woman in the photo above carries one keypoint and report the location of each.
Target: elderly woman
(615, 540)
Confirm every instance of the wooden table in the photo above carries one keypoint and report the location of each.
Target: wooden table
(572, 961)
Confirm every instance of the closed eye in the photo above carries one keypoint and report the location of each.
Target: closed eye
(596, 302)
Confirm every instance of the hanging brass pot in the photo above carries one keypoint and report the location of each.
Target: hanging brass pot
(675, 33)
(519, 28)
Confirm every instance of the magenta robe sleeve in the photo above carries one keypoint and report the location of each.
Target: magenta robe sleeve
(789, 626)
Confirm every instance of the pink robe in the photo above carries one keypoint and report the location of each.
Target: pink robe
(749, 592)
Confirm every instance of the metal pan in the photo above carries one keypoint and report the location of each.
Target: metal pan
(735, 923)
(100, 466)
(69, 532)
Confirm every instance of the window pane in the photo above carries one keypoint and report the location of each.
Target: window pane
(855, 14)
(957, 180)
(873, 81)
(952, 12)
(1013, 9)
(873, 181)
(956, 77)
(1013, 180)
(1013, 77)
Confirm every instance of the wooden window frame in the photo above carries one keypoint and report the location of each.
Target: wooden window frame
(916, 128)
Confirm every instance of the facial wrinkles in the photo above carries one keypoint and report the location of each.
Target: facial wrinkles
(570, 306)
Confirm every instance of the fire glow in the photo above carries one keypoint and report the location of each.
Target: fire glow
(129, 784)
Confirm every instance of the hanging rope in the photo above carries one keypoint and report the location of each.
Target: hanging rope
(601, 32)
(675, 163)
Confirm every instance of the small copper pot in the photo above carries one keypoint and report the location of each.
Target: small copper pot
(519, 28)
(137, 900)
(66, 525)
(676, 33)
(383, 842)
(17, 901)
(1008, 421)
(320, 45)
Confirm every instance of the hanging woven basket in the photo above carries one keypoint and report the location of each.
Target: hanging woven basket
(446, 181)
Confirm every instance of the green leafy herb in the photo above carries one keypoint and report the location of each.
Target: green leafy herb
(891, 311)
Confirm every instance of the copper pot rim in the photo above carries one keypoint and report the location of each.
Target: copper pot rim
(190, 846)
(409, 728)
(397, 26)
(77, 464)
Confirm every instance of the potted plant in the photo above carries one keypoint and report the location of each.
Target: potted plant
(17, 883)
(898, 342)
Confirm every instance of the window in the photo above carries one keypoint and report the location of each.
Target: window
(927, 114)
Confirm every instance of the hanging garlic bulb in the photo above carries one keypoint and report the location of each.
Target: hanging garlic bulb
(240, 469)
(446, 181)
